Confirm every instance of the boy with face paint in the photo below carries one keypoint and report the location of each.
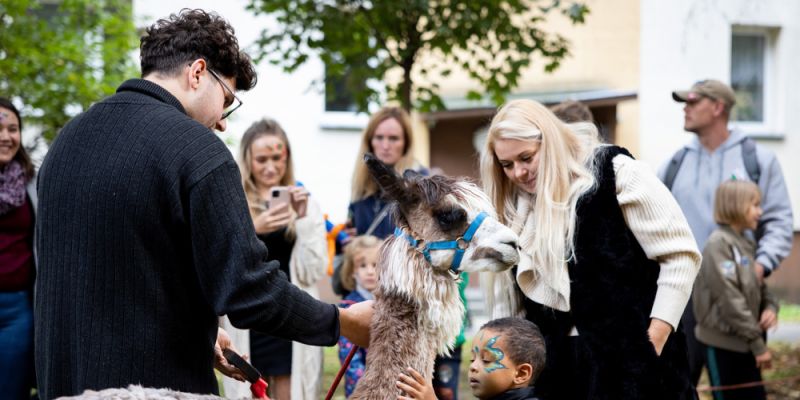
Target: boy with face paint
(507, 356)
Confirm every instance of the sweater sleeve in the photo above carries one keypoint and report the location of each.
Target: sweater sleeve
(310, 253)
(775, 229)
(232, 271)
(658, 224)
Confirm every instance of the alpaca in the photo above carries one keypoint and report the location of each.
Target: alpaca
(417, 310)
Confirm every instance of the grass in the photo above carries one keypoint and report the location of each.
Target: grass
(789, 313)
(331, 367)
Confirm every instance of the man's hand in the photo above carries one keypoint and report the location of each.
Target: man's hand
(354, 322)
(764, 360)
(220, 363)
(768, 319)
(415, 386)
(659, 332)
(759, 269)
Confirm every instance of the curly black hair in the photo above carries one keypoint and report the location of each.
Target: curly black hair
(524, 342)
(171, 43)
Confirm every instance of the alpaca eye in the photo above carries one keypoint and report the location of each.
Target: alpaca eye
(450, 219)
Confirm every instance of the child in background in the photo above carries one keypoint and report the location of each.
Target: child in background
(359, 275)
(733, 308)
(507, 356)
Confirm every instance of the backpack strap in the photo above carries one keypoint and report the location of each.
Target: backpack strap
(674, 166)
(750, 159)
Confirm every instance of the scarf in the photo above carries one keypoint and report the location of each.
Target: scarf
(539, 283)
(12, 187)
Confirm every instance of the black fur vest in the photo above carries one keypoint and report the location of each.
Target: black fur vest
(613, 286)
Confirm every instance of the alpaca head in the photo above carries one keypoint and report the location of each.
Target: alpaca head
(441, 209)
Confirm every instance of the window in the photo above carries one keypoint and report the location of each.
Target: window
(748, 58)
(337, 96)
(754, 77)
(748, 70)
(340, 106)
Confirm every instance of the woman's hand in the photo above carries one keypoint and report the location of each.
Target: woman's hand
(273, 219)
(299, 200)
(659, 332)
(415, 386)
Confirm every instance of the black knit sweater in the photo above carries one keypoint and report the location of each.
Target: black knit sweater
(144, 238)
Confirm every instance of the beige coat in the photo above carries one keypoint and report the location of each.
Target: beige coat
(306, 266)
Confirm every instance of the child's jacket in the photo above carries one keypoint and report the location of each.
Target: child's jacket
(728, 300)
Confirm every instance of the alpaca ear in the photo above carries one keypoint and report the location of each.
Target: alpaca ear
(393, 186)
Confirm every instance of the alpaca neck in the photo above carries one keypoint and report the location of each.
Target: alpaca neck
(405, 273)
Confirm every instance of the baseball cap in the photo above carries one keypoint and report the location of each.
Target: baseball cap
(710, 88)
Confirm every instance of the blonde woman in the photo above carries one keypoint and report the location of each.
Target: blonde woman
(294, 234)
(608, 258)
(388, 136)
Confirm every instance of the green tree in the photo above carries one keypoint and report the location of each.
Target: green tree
(361, 40)
(60, 57)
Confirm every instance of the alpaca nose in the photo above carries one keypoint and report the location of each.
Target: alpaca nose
(511, 243)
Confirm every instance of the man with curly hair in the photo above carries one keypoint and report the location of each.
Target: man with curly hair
(144, 236)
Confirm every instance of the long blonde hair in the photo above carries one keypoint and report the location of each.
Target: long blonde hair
(363, 185)
(263, 127)
(565, 173)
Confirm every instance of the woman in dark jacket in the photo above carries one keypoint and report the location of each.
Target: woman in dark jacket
(607, 259)
(17, 213)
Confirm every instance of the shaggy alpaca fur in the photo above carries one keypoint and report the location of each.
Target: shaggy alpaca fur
(136, 392)
(418, 312)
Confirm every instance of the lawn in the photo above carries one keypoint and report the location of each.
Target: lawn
(332, 367)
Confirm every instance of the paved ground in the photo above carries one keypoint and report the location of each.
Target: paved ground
(785, 332)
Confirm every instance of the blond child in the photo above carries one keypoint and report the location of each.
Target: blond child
(732, 305)
(359, 275)
(508, 355)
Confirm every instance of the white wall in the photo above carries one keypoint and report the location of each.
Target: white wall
(683, 41)
(323, 159)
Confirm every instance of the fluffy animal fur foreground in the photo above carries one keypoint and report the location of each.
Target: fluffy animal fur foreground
(136, 392)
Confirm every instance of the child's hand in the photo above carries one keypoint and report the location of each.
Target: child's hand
(768, 319)
(764, 360)
(415, 386)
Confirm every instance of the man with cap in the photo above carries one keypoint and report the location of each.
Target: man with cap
(717, 154)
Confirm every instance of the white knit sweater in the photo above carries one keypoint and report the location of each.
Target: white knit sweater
(658, 224)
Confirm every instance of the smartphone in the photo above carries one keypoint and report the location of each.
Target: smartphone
(278, 195)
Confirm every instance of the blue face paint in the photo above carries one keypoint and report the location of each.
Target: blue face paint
(498, 356)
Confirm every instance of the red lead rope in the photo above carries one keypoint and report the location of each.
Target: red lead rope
(346, 363)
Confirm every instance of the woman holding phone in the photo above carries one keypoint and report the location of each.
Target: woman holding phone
(292, 227)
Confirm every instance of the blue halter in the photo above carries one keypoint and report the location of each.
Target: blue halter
(459, 245)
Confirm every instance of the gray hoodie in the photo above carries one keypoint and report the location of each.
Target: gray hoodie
(702, 172)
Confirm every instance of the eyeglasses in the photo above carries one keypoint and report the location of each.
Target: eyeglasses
(228, 109)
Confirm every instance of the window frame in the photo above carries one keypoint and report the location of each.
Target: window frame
(769, 128)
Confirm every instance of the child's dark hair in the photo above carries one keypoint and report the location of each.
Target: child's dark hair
(172, 43)
(524, 343)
